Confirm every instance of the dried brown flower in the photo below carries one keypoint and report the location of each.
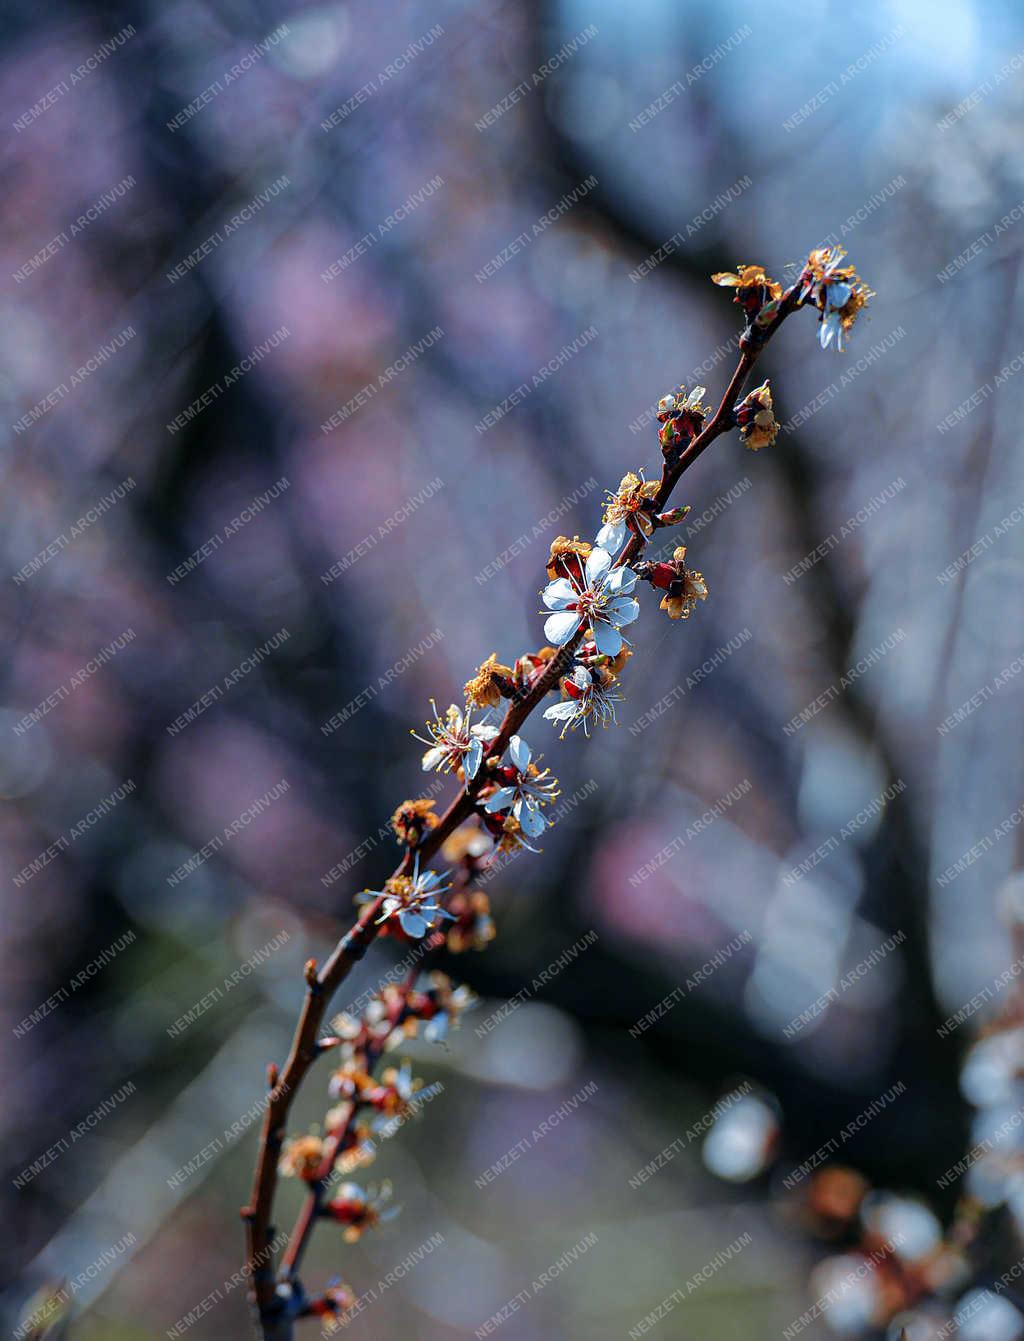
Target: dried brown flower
(491, 682)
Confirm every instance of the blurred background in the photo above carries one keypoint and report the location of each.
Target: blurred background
(266, 270)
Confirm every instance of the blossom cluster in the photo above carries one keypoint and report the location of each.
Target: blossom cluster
(371, 1097)
(836, 290)
(506, 793)
(922, 1277)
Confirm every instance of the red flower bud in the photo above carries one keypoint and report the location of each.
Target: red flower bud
(344, 1211)
(674, 517)
(662, 574)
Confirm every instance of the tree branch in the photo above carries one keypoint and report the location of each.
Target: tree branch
(275, 1312)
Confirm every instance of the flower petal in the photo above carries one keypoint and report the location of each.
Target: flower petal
(474, 757)
(558, 594)
(560, 711)
(532, 822)
(621, 610)
(558, 629)
(838, 294)
(598, 563)
(830, 327)
(620, 581)
(413, 923)
(519, 753)
(434, 1031)
(434, 758)
(500, 800)
(611, 537)
(607, 638)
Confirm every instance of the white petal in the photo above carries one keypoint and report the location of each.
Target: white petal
(532, 822)
(694, 397)
(474, 757)
(433, 758)
(413, 924)
(519, 753)
(501, 800)
(558, 594)
(598, 563)
(612, 536)
(560, 711)
(839, 294)
(620, 581)
(435, 1030)
(558, 629)
(622, 610)
(828, 328)
(483, 732)
(608, 640)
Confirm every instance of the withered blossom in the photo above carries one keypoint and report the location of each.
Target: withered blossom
(756, 419)
(470, 840)
(681, 417)
(413, 819)
(567, 556)
(490, 684)
(836, 290)
(683, 586)
(629, 508)
(473, 925)
(753, 287)
(301, 1157)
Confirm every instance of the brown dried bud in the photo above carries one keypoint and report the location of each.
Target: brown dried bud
(413, 819)
(568, 557)
(490, 684)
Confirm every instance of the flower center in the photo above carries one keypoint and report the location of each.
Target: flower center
(589, 601)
